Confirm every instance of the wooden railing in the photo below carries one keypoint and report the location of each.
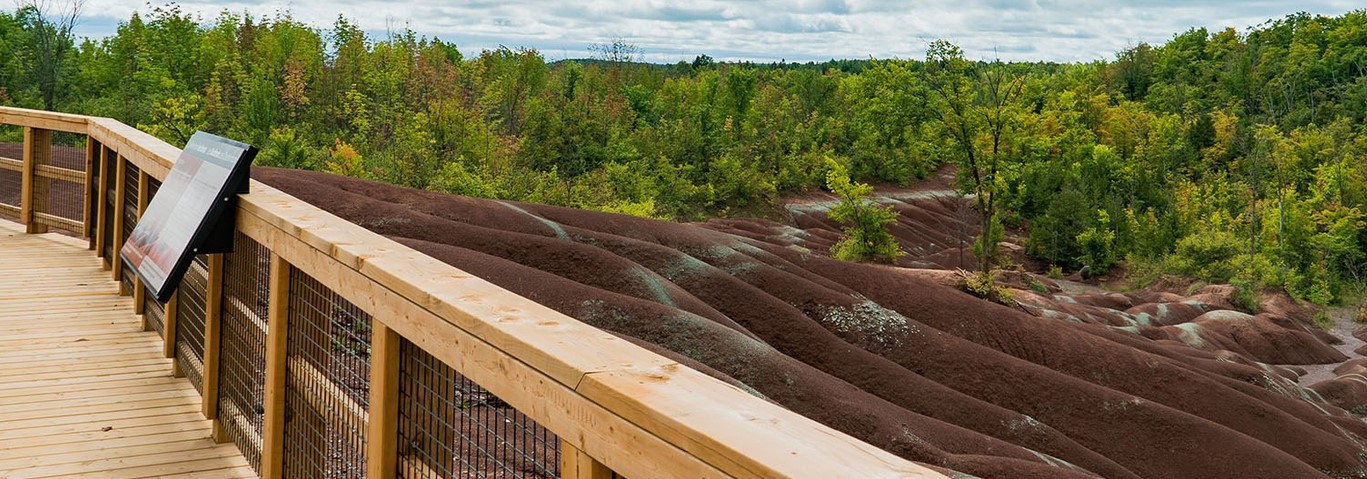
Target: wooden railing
(323, 349)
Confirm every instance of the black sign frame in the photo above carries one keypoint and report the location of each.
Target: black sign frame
(194, 212)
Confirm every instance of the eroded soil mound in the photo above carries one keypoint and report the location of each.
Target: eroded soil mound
(903, 362)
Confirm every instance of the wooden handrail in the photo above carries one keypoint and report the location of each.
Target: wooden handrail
(46, 120)
(633, 411)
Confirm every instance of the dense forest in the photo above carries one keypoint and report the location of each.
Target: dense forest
(1226, 156)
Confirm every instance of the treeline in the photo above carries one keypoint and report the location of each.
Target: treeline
(1225, 155)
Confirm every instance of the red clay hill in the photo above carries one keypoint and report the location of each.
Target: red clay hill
(1152, 385)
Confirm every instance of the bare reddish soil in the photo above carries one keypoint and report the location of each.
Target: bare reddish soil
(1154, 385)
(935, 226)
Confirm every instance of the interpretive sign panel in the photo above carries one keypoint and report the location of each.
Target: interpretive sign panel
(187, 215)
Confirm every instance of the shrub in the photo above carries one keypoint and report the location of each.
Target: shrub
(1323, 321)
(287, 150)
(1245, 295)
(866, 236)
(454, 178)
(345, 160)
(983, 285)
(1207, 255)
(1055, 272)
(1142, 271)
(1098, 245)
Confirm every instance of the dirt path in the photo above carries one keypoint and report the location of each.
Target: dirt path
(1074, 287)
(1343, 329)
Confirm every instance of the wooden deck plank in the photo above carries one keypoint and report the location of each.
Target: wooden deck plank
(60, 408)
(100, 386)
(191, 427)
(84, 392)
(84, 379)
(151, 465)
(117, 341)
(83, 428)
(112, 388)
(86, 353)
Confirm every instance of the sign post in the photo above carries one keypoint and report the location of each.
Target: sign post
(192, 213)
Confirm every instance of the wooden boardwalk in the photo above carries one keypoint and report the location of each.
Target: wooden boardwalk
(84, 392)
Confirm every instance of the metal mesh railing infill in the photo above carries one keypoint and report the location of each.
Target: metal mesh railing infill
(327, 383)
(92, 192)
(11, 166)
(155, 313)
(59, 189)
(191, 302)
(242, 367)
(108, 182)
(450, 427)
(130, 219)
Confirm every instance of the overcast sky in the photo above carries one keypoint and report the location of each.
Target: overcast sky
(770, 30)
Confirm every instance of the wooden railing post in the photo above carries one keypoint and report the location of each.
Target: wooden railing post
(102, 199)
(120, 170)
(37, 149)
(92, 149)
(273, 422)
(575, 464)
(168, 331)
(213, 314)
(382, 458)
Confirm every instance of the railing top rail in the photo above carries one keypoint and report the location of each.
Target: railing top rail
(46, 120)
(658, 411)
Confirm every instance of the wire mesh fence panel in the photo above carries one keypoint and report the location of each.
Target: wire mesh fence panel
(155, 312)
(130, 218)
(242, 342)
(11, 164)
(327, 383)
(190, 309)
(109, 183)
(96, 174)
(450, 427)
(60, 190)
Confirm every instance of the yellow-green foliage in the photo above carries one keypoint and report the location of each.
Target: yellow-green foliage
(1323, 321)
(1193, 177)
(983, 285)
(1055, 272)
(346, 161)
(866, 232)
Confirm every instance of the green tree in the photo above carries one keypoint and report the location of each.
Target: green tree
(866, 234)
(1098, 244)
(50, 40)
(287, 150)
(980, 116)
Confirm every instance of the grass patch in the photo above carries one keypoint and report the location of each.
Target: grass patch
(1194, 287)
(1323, 321)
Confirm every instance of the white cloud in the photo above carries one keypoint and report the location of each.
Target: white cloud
(769, 30)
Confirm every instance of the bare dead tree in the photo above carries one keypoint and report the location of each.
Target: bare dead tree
(49, 26)
(618, 51)
(623, 57)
